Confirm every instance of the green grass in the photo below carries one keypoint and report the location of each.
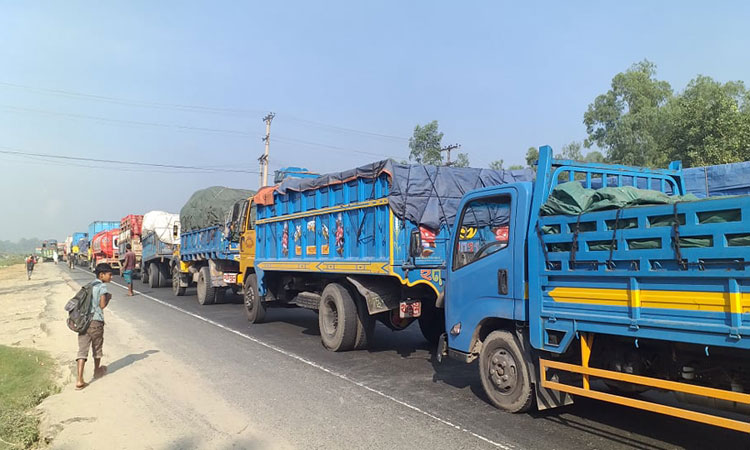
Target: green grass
(26, 378)
(8, 259)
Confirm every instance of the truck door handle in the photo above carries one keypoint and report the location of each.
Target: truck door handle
(502, 282)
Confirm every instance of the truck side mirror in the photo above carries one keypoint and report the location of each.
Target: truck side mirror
(415, 243)
(175, 232)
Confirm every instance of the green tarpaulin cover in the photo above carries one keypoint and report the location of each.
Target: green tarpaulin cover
(573, 199)
(209, 207)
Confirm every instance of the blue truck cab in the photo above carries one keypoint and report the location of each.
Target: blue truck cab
(605, 302)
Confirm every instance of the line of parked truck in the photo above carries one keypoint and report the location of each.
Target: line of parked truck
(595, 280)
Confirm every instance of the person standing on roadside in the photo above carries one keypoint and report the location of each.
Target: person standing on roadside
(30, 265)
(94, 335)
(128, 266)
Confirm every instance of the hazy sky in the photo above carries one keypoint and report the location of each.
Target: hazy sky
(348, 81)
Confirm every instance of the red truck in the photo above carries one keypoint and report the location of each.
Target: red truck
(104, 249)
(131, 227)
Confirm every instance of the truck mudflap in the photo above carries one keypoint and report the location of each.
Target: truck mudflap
(587, 373)
(379, 296)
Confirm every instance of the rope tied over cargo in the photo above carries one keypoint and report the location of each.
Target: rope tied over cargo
(610, 263)
(544, 246)
(676, 237)
(574, 245)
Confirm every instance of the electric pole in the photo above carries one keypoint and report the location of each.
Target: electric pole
(448, 150)
(264, 159)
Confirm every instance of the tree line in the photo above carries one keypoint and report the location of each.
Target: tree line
(640, 121)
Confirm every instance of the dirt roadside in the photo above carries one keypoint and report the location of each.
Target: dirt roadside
(138, 404)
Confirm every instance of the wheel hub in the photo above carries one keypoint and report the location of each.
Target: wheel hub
(503, 371)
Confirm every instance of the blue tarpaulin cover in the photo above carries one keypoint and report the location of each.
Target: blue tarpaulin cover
(724, 179)
(426, 195)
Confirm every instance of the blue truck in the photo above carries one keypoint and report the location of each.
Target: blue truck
(360, 246)
(102, 225)
(158, 261)
(605, 304)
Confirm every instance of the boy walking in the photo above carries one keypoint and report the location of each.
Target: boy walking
(94, 335)
(128, 265)
(30, 265)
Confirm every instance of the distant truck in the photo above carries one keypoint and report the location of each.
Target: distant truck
(209, 252)
(160, 239)
(295, 172)
(48, 250)
(130, 233)
(101, 225)
(104, 249)
(79, 248)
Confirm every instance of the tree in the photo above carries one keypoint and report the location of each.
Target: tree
(572, 151)
(426, 143)
(516, 167)
(709, 123)
(594, 157)
(532, 155)
(626, 120)
(462, 160)
(497, 165)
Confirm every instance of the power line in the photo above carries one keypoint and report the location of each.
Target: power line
(333, 147)
(126, 122)
(10, 151)
(189, 108)
(130, 102)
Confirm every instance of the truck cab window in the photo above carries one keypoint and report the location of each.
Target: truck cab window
(484, 229)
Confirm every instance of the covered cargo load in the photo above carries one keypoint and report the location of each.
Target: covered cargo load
(719, 180)
(208, 207)
(163, 225)
(423, 194)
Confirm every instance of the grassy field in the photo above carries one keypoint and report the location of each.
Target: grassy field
(26, 378)
(8, 259)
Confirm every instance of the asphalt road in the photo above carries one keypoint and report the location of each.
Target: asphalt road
(391, 396)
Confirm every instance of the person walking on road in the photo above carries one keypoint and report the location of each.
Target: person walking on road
(128, 266)
(30, 265)
(55, 256)
(94, 335)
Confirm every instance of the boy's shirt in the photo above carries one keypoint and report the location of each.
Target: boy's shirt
(99, 290)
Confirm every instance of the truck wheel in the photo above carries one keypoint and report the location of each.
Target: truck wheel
(153, 276)
(178, 290)
(206, 293)
(505, 373)
(144, 273)
(432, 323)
(164, 277)
(337, 318)
(255, 308)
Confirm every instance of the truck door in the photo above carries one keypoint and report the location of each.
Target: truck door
(480, 283)
(247, 239)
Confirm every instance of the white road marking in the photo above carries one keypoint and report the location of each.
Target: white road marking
(318, 366)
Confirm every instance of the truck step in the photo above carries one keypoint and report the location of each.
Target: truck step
(309, 300)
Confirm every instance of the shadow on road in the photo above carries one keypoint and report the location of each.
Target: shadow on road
(128, 360)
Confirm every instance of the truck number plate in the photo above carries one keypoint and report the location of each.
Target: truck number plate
(413, 309)
(230, 278)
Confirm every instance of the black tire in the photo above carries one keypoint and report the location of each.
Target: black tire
(154, 276)
(432, 323)
(144, 273)
(255, 308)
(206, 294)
(178, 290)
(504, 373)
(164, 276)
(337, 318)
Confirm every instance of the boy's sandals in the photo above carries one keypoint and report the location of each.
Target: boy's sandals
(102, 371)
(81, 387)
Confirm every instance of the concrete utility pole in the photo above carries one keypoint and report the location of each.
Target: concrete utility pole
(264, 160)
(448, 149)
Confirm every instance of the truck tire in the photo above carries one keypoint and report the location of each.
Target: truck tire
(337, 318)
(505, 373)
(178, 290)
(432, 323)
(144, 273)
(255, 308)
(153, 276)
(164, 278)
(206, 293)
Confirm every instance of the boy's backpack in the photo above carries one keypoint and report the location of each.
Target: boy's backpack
(79, 308)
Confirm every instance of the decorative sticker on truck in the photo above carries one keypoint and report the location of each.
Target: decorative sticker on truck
(324, 247)
(297, 238)
(285, 240)
(339, 235)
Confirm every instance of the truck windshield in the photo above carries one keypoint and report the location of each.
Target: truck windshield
(484, 229)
